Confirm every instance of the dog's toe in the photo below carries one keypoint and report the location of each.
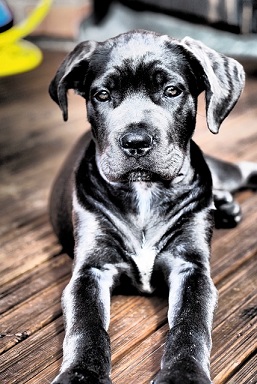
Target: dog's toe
(228, 212)
(183, 372)
(80, 377)
(227, 215)
(182, 378)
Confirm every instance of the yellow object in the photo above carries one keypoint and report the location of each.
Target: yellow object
(18, 55)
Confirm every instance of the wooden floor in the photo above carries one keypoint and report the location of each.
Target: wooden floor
(33, 272)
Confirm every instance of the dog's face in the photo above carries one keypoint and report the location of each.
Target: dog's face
(141, 90)
(142, 107)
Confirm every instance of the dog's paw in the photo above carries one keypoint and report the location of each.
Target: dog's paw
(182, 373)
(76, 376)
(181, 379)
(228, 212)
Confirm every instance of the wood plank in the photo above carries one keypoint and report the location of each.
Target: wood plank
(234, 333)
(21, 363)
(246, 373)
(47, 374)
(20, 289)
(32, 252)
(237, 245)
(134, 324)
(31, 315)
(143, 362)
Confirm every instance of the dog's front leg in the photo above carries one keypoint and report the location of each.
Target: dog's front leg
(192, 299)
(86, 347)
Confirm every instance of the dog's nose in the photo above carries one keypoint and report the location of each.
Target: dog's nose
(136, 144)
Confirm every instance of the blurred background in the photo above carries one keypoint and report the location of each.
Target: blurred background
(229, 26)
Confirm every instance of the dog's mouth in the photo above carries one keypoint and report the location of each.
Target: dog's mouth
(140, 175)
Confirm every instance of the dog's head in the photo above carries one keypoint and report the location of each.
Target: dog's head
(141, 90)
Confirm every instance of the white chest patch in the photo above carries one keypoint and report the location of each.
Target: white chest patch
(144, 198)
(144, 251)
(144, 260)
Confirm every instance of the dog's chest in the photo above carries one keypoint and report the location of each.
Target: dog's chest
(143, 236)
(140, 233)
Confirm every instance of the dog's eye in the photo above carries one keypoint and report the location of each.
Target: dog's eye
(102, 96)
(171, 91)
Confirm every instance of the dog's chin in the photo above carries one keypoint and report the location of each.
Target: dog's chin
(138, 175)
(131, 177)
(141, 175)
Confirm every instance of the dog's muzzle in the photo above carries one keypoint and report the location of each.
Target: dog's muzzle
(136, 144)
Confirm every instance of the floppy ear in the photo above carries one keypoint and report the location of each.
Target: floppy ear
(71, 74)
(223, 81)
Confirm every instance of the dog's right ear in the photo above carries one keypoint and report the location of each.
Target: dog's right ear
(71, 74)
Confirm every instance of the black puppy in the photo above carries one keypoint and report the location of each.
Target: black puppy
(135, 199)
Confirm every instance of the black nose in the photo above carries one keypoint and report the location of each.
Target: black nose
(136, 144)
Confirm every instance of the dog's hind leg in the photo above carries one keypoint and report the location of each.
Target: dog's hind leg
(229, 178)
(232, 177)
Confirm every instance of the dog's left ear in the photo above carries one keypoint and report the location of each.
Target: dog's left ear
(71, 74)
(223, 81)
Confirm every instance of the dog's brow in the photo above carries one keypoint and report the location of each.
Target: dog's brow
(129, 69)
(109, 78)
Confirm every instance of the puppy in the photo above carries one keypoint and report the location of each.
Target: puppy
(134, 200)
